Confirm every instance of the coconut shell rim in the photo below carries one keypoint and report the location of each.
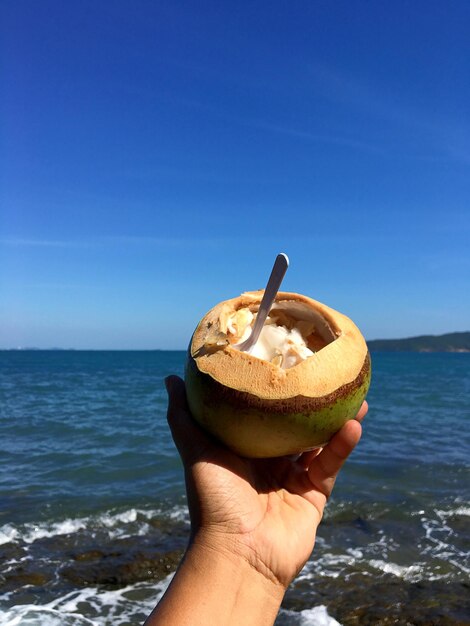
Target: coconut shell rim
(337, 364)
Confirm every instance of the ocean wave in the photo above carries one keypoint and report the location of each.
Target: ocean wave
(442, 539)
(131, 604)
(316, 616)
(366, 562)
(460, 510)
(31, 615)
(410, 573)
(125, 606)
(117, 525)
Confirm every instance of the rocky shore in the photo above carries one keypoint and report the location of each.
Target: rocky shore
(67, 562)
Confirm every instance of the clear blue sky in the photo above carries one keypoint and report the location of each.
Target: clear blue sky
(155, 156)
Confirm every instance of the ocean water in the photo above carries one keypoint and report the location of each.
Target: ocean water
(93, 516)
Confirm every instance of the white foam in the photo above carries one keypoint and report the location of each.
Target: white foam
(407, 572)
(316, 616)
(116, 525)
(438, 537)
(28, 615)
(42, 531)
(8, 533)
(376, 556)
(460, 510)
(327, 565)
(179, 514)
(123, 606)
(80, 608)
(126, 517)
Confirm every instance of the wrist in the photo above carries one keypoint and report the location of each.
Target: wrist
(216, 583)
(237, 555)
(250, 595)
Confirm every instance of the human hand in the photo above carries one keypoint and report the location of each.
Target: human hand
(263, 511)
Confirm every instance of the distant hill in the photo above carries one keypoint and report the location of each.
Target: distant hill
(451, 342)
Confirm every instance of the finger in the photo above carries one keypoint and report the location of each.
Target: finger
(190, 440)
(306, 458)
(325, 467)
(176, 394)
(362, 412)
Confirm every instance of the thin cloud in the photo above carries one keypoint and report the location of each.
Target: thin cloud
(320, 138)
(338, 87)
(112, 240)
(62, 286)
(279, 128)
(42, 243)
(447, 135)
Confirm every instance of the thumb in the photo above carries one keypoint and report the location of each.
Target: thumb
(189, 438)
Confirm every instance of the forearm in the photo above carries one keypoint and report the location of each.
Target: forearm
(212, 586)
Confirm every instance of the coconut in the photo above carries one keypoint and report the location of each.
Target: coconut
(308, 373)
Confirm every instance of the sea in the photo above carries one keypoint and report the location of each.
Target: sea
(93, 516)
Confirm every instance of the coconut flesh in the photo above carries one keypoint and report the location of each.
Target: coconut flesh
(286, 339)
(307, 374)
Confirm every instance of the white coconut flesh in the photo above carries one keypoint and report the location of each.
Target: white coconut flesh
(329, 353)
(292, 333)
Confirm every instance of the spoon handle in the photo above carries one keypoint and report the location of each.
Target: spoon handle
(277, 274)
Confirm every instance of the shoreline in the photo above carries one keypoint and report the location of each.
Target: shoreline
(118, 559)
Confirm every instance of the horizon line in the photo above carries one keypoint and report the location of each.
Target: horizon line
(71, 349)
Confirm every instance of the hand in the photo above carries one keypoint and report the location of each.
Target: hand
(262, 511)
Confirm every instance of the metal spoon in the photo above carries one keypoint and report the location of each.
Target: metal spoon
(277, 274)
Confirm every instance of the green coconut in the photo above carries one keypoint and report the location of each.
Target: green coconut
(284, 398)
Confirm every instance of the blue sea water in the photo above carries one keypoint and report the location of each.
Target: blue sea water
(85, 430)
(86, 458)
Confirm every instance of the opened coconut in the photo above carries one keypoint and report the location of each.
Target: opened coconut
(308, 374)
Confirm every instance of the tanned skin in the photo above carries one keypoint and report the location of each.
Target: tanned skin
(253, 523)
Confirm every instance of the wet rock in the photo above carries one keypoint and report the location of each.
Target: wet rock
(11, 552)
(20, 577)
(89, 555)
(124, 561)
(363, 600)
(52, 566)
(362, 524)
(169, 526)
(121, 569)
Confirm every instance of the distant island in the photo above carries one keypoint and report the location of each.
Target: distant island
(451, 342)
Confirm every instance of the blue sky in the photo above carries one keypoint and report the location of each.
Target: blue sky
(156, 156)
